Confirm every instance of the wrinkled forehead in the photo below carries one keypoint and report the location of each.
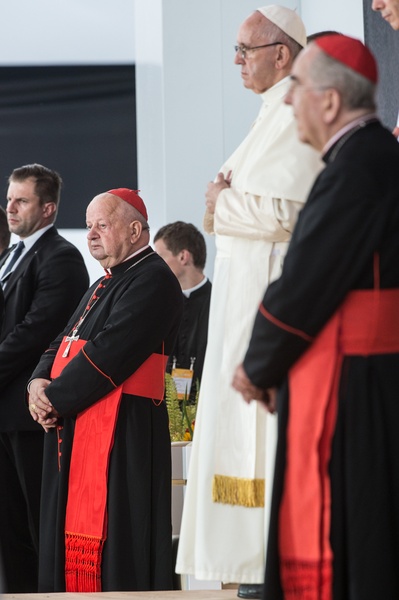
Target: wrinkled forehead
(252, 29)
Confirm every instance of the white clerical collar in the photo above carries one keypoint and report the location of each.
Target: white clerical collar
(137, 252)
(195, 288)
(337, 136)
(278, 90)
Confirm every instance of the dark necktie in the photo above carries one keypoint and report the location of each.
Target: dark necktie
(16, 254)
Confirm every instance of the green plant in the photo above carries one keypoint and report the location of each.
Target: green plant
(181, 412)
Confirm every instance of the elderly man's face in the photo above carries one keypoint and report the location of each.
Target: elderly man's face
(389, 10)
(109, 232)
(306, 100)
(258, 67)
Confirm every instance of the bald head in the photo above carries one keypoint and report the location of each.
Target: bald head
(116, 230)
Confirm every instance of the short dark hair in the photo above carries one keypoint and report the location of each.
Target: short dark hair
(48, 182)
(5, 233)
(180, 236)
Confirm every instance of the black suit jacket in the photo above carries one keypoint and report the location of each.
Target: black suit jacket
(1, 306)
(39, 297)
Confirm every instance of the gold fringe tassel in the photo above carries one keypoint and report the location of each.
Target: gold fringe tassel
(238, 491)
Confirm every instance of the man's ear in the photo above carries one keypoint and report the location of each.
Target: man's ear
(49, 208)
(185, 257)
(332, 104)
(136, 229)
(283, 57)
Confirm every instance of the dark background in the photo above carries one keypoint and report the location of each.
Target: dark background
(81, 120)
(384, 43)
(78, 120)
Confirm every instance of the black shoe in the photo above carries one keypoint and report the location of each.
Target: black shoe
(250, 590)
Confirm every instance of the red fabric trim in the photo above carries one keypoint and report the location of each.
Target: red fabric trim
(147, 381)
(305, 512)
(98, 369)
(59, 428)
(86, 513)
(60, 362)
(375, 328)
(265, 313)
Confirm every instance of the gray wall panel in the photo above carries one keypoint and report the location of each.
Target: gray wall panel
(384, 43)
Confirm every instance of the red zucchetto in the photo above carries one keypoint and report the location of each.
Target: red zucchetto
(350, 52)
(132, 198)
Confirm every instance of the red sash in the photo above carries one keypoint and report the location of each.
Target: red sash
(86, 514)
(366, 324)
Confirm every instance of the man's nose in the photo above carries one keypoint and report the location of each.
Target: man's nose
(288, 97)
(11, 206)
(92, 233)
(238, 59)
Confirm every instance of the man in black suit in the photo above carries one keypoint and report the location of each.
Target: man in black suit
(42, 283)
(5, 234)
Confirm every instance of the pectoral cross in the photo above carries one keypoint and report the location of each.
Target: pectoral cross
(70, 339)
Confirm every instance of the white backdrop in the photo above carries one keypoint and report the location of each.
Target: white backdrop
(48, 32)
(102, 31)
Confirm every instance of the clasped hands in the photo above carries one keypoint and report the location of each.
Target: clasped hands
(250, 392)
(240, 382)
(214, 188)
(40, 408)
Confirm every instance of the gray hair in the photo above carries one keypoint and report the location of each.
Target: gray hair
(275, 34)
(129, 213)
(355, 90)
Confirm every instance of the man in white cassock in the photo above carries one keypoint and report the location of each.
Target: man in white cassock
(252, 208)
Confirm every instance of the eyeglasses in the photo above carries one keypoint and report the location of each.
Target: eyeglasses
(243, 49)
